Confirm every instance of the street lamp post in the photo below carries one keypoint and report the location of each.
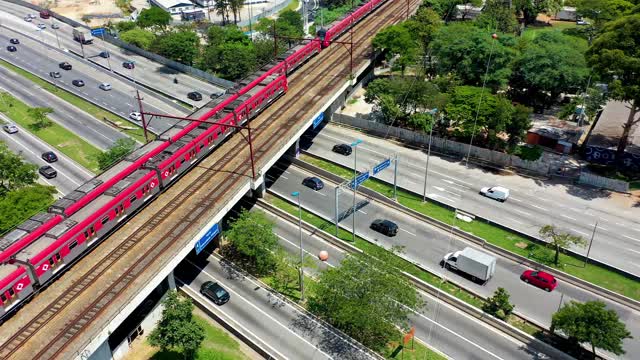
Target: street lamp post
(354, 145)
(296, 194)
(593, 234)
(426, 169)
(55, 30)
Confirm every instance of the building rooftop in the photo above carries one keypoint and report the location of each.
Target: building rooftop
(607, 131)
(553, 128)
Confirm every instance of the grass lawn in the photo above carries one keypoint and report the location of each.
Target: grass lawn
(497, 236)
(417, 351)
(55, 135)
(95, 111)
(292, 5)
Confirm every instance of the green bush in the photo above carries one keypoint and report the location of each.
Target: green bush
(528, 153)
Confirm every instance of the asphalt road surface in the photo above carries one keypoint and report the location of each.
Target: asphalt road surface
(77, 121)
(289, 332)
(147, 72)
(532, 204)
(41, 59)
(70, 174)
(437, 324)
(426, 245)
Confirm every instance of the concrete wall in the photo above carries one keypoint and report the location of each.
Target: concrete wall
(603, 182)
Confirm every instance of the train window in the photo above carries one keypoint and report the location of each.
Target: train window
(105, 220)
(58, 257)
(3, 297)
(182, 161)
(92, 230)
(86, 234)
(51, 262)
(117, 210)
(133, 198)
(72, 245)
(201, 146)
(11, 292)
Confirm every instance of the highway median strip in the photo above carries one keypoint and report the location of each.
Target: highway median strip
(495, 235)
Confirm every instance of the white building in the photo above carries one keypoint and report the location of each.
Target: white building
(173, 7)
(204, 3)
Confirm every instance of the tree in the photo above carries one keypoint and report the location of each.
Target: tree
(422, 26)
(591, 323)
(39, 117)
(559, 240)
(123, 26)
(235, 60)
(177, 329)
(602, 11)
(138, 37)
(614, 56)
(496, 16)
(447, 8)
(154, 17)
(531, 8)
(498, 305)
(21, 203)
(288, 27)
(552, 63)
(182, 46)
(365, 298)
(15, 173)
(397, 41)
(222, 9)
(120, 149)
(251, 238)
(519, 125)
(464, 49)
(235, 6)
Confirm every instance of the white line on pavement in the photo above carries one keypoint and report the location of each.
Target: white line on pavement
(410, 233)
(522, 212)
(568, 217)
(514, 199)
(363, 212)
(298, 247)
(580, 232)
(635, 251)
(514, 220)
(319, 193)
(538, 207)
(629, 237)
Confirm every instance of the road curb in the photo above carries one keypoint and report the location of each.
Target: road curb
(606, 293)
(430, 289)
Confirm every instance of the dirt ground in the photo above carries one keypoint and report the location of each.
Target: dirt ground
(76, 9)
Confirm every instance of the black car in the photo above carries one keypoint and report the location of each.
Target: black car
(104, 54)
(49, 156)
(385, 227)
(128, 65)
(343, 149)
(65, 66)
(55, 74)
(215, 292)
(48, 172)
(14, 41)
(195, 96)
(78, 83)
(313, 182)
(12, 48)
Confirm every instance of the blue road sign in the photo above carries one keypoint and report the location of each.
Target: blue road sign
(97, 31)
(383, 165)
(360, 179)
(318, 120)
(207, 237)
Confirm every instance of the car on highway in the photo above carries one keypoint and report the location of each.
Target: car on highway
(195, 96)
(55, 74)
(128, 65)
(104, 54)
(32, 16)
(65, 66)
(12, 48)
(27, 18)
(385, 227)
(215, 292)
(313, 183)
(499, 193)
(10, 128)
(105, 86)
(55, 26)
(541, 279)
(45, 14)
(78, 83)
(343, 149)
(42, 26)
(48, 172)
(216, 95)
(49, 156)
(135, 116)
(14, 41)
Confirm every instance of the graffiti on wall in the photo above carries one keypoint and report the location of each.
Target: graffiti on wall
(608, 157)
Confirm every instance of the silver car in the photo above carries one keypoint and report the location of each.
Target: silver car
(10, 128)
(105, 86)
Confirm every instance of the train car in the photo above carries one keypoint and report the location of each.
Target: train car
(15, 286)
(338, 27)
(25, 233)
(299, 54)
(252, 102)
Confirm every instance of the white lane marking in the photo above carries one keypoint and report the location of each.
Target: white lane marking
(319, 193)
(409, 181)
(349, 141)
(629, 237)
(441, 197)
(282, 169)
(262, 311)
(512, 198)
(580, 232)
(362, 212)
(543, 199)
(538, 207)
(602, 228)
(447, 191)
(451, 177)
(568, 217)
(514, 220)
(455, 184)
(635, 251)
(522, 212)
(298, 247)
(410, 233)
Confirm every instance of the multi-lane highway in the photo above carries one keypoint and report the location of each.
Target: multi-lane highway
(147, 72)
(77, 121)
(532, 204)
(41, 59)
(438, 324)
(70, 174)
(426, 245)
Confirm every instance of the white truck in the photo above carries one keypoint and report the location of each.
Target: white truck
(479, 265)
(82, 35)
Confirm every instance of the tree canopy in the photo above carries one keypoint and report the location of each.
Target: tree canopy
(182, 46)
(121, 148)
(497, 17)
(602, 11)
(397, 41)
(229, 52)
(15, 173)
(154, 17)
(251, 238)
(138, 37)
(560, 240)
(593, 324)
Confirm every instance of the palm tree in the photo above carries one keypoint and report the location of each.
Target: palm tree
(222, 9)
(236, 6)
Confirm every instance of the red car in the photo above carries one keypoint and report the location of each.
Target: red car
(540, 279)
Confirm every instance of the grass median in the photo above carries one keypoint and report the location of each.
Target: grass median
(111, 119)
(497, 236)
(55, 135)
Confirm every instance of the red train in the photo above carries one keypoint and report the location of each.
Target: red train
(38, 249)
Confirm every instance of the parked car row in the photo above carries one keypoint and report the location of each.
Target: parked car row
(49, 156)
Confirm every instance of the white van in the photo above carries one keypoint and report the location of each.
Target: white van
(496, 192)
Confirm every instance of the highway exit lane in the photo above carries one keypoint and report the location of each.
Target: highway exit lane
(426, 245)
(532, 204)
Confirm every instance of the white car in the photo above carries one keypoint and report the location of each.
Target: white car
(55, 26)
(496, 192)
(42, 26)
(10, 128)
(105, 86)
(135, 116)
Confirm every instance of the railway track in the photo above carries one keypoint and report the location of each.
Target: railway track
(310, 74)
